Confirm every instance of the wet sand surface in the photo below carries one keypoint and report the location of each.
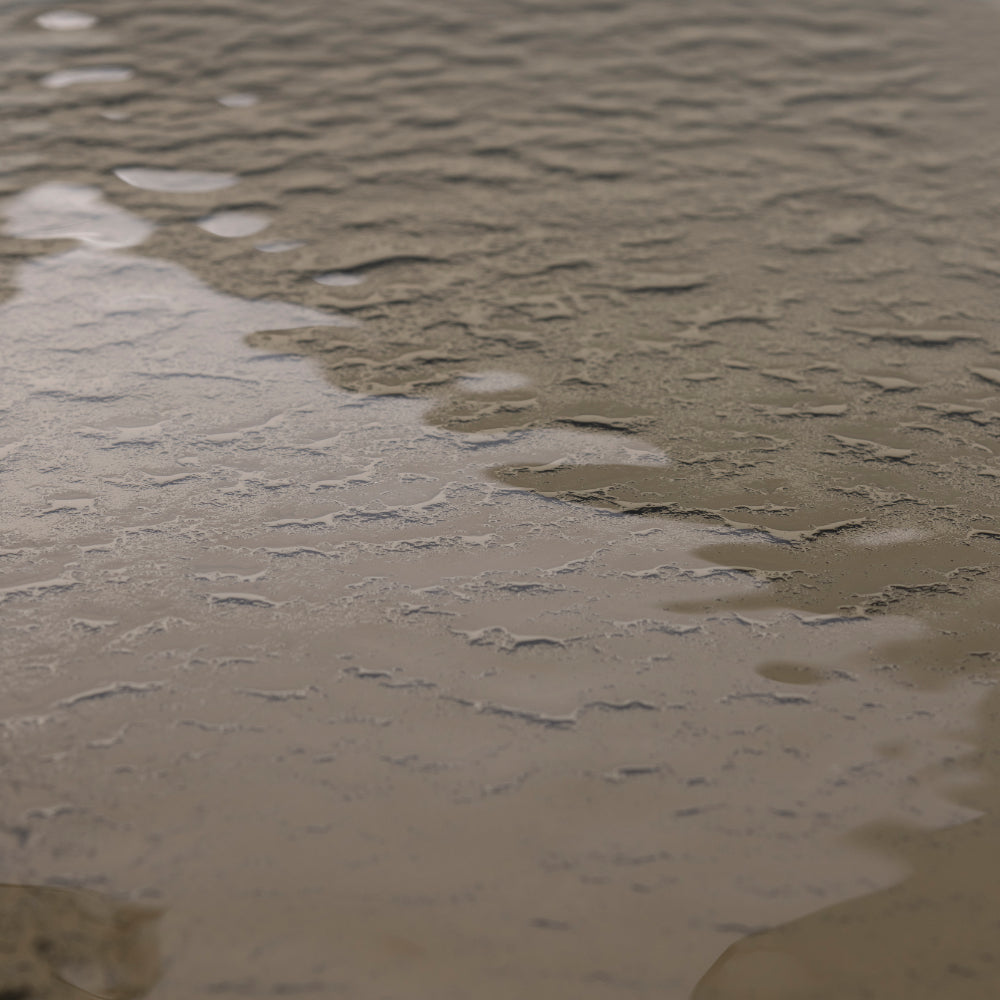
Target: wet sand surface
(499, 499)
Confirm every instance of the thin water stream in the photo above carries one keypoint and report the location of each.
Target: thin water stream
(499, 499)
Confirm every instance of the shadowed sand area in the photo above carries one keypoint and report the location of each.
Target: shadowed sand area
(67, 943)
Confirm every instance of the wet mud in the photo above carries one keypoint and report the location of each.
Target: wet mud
(65, 943)
(500, 498)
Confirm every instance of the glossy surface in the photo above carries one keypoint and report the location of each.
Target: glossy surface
(560, 550)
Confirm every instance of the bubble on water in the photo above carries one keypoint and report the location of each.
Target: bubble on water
(87, 74)
(175, 181)
(234, 224)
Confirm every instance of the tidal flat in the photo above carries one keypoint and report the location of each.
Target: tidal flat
(499, 499)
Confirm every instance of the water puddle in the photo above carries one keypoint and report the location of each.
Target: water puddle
(558, 559)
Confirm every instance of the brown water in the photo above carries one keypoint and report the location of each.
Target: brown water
(499, 499)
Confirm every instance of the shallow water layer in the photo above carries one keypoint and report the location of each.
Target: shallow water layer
(498, 499)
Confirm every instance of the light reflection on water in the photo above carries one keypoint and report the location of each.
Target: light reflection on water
(65, 20)
(176, 181)
(228, 461)
(234, 224)
(87, 75)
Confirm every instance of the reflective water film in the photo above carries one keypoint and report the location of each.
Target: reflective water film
(499, 500)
